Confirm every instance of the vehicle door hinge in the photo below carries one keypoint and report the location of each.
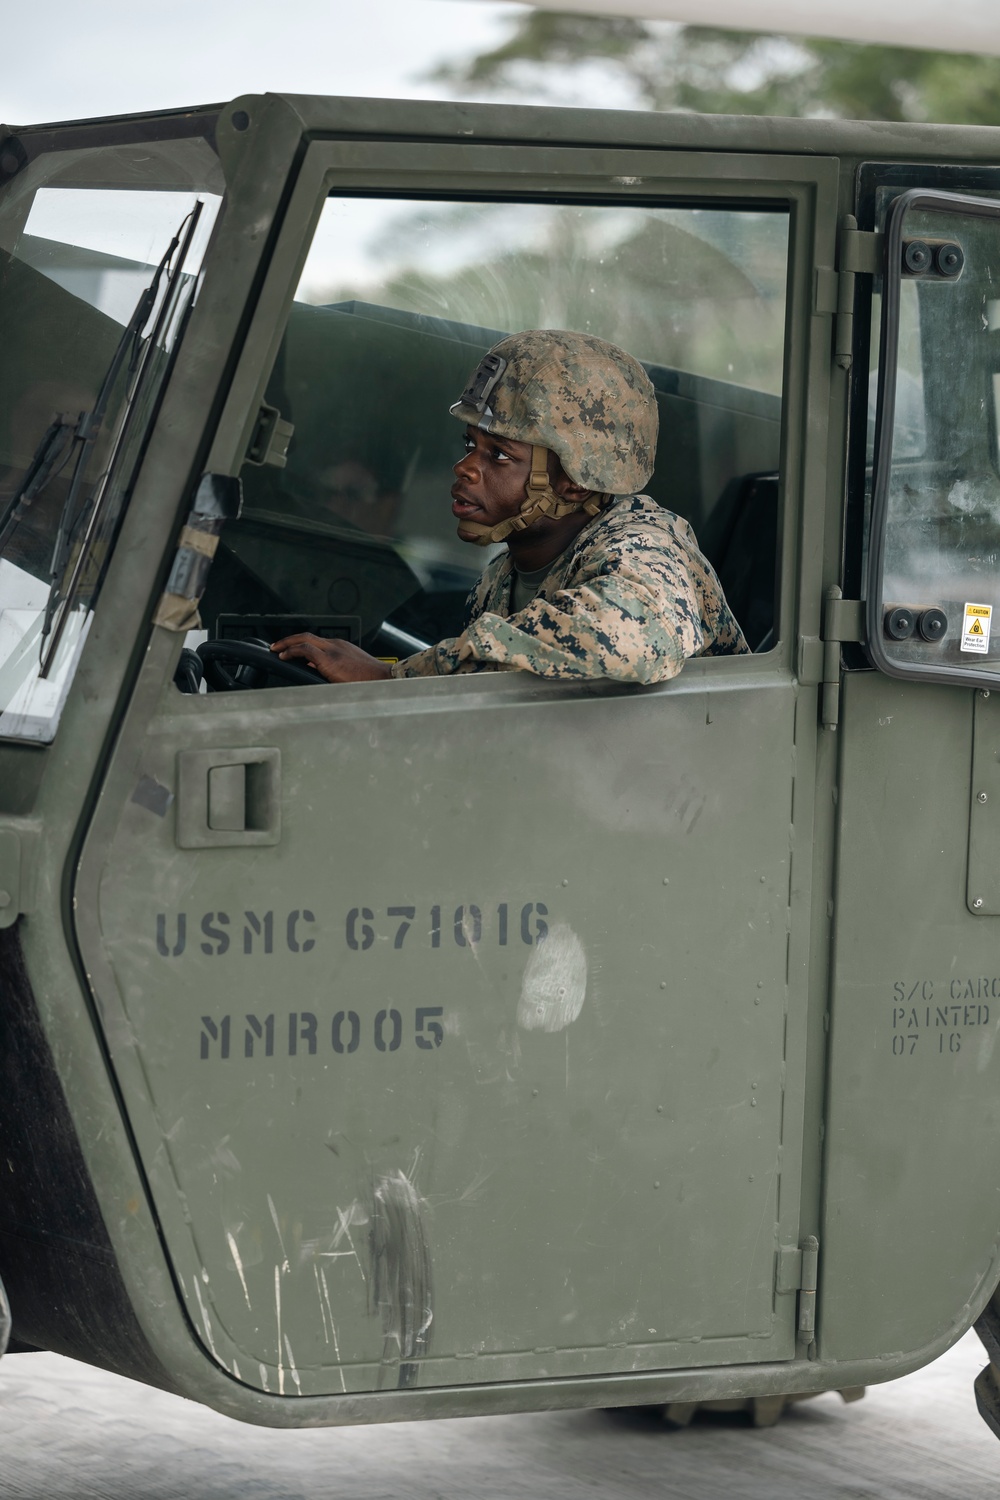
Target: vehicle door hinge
(270, 438)
(18, 848)
(860, 249)
(859, 253)
(843, 620)
(796, 1270)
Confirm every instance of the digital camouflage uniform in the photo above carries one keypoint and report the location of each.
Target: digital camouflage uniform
(631, 598)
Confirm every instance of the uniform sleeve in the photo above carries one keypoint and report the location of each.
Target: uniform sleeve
(443, 659)
(437, 661)
(635, 619)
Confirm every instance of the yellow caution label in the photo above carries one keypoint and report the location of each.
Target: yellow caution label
(976, 622)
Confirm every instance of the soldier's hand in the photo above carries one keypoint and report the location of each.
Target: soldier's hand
(337, 661)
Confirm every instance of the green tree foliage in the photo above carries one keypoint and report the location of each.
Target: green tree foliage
(704, 69)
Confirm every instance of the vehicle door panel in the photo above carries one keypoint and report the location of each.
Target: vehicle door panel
(490, 1063)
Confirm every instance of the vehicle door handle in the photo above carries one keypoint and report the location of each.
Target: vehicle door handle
(227, 797)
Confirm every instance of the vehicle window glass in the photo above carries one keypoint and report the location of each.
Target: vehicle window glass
(910, 432)
(937, 522)
(95, 282)
(993, 325)
(397, 303)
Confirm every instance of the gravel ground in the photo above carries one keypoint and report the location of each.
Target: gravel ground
(67, 1430)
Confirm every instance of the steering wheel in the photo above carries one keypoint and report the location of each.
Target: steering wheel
(255, 662)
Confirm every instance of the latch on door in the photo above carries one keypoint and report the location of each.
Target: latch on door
(227, 797)
(270, 438)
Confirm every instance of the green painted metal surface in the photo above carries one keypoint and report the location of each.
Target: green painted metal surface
(582, 1135)
(368, 1149)
(913, 1025)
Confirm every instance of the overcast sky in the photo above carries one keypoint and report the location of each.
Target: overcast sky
(63, 60)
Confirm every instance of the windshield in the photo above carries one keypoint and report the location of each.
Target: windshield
(97, 271)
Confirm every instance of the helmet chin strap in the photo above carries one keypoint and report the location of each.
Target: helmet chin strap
(540, 500)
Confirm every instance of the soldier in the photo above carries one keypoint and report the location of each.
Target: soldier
(597, 579)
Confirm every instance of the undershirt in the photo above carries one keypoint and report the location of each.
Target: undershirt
(524, 586)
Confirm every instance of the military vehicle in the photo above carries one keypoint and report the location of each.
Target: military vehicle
(416, 1048)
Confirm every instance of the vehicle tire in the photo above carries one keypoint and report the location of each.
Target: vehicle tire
(763, 1411)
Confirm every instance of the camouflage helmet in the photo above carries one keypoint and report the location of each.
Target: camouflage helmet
(589, 402)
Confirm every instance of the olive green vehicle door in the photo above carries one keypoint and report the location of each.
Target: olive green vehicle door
(462, 1023)
(912, 1219)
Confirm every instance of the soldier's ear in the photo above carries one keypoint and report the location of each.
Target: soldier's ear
(567, 488)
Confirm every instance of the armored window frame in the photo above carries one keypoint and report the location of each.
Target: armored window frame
(615, 176)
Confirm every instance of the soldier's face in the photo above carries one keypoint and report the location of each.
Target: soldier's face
(491, 479)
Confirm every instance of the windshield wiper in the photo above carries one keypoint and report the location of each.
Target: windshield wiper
(48, 460)
(64, 433)
(138, 351)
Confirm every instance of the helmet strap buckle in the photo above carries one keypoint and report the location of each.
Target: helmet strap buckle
(538, 479)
